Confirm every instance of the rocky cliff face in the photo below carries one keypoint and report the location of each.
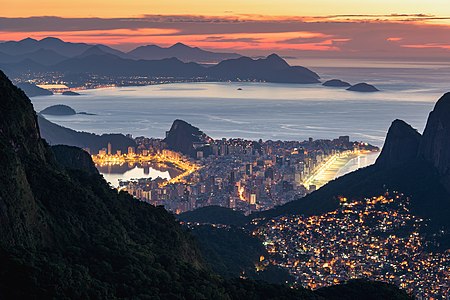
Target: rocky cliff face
(401, 145)
(435, 146)
(20, 147)
(182, 137)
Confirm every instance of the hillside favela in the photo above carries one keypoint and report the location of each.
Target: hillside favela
(225, 150)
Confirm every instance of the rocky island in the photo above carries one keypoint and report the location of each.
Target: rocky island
(59, 110)
(336, 83)
(363, 88)
(70, 93)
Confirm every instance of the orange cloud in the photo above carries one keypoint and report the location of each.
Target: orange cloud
(338, 35)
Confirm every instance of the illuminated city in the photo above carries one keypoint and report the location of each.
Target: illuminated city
(239, 174)
(376, 238)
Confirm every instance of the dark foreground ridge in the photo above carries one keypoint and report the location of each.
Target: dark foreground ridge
(66, 234)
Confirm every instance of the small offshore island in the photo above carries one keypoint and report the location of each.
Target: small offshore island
(70, 93)
(58, 110)
(363, 88)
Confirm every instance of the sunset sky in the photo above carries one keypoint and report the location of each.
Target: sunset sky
(321, 28)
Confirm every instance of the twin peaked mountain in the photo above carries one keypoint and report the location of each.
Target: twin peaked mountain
(414, 164)
(177, 61)
(404, 145)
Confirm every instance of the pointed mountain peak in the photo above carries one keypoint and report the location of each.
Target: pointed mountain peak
(274, 56)
(180, 46)
(275, 59)
(94, 50)
(28, 40)
(182, 137)
(401, 145)
(435, 146)
(443, 104)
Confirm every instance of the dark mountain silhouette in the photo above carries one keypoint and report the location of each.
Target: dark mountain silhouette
(58, 135)
(102, 50)
(94, 50)
(108, 64)
(270, 69)
(363, 88)
(435, 146)
(45, 57)
(336, 83)
(185, 138)
(232, 251)
(66, 234)
(19, 47)
(410, 163)
(401, 145)
(33, 90)
(215, 215)
(70, 93)
(178, 61)
(26, 65)
(62, 48)
(41, 56)
(180, 51)
(6, 58)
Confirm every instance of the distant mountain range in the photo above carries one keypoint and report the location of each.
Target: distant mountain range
(180, 51)
(54, 55)
(51, 50)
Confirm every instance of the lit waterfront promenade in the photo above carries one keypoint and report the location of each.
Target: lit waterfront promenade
(331, 168)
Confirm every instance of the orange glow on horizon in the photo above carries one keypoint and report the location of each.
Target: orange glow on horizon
(118, 8)
(236, 25)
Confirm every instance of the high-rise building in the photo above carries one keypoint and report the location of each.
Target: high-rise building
(249, 169)
(109, 149)
(252, 199)
(130, 150)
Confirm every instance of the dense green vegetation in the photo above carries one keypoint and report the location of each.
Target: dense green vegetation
(362, 289)
(233, 252)
(215, 215)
